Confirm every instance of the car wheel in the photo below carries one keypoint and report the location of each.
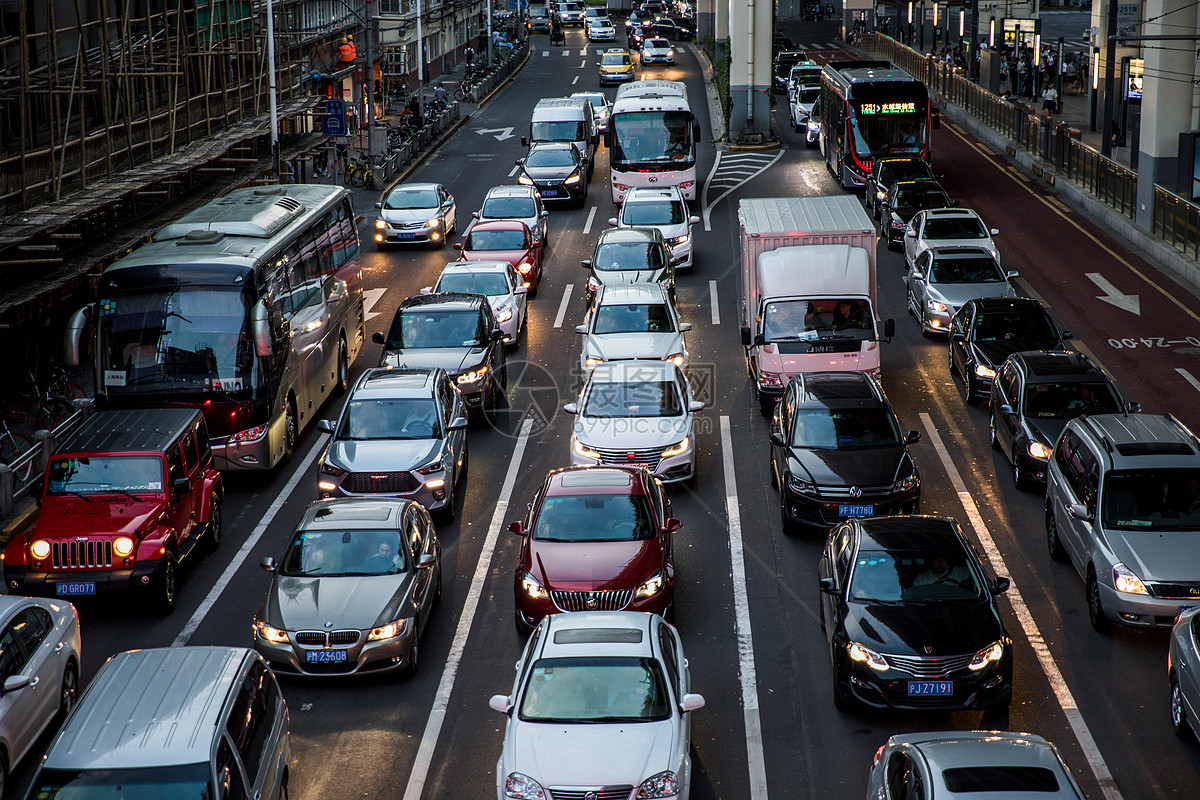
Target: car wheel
(216, 524)
(995, 443)
(343, 368)
(1020, 478)
(785, 522)
(466, 462)
(1053, 543)
(3, 772)
(446, 512)
(1096, 616)
(1179, 720)
(774, 480)
(437, 587)
(766, 405)
(840, 701)
(968, 389)
(520, 626)
(950, 361)
(68, 693)
(414, 651)
(166, 584)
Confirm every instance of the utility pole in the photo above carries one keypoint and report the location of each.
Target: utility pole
(1109, 80)
(973, 50)
(489, 33)
(272, 91)
(369, 27)
(420, 67)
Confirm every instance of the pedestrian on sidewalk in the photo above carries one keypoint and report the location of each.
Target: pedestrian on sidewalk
(1050, 100)
(439, 93)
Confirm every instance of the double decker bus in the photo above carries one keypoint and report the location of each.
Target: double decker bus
(249, 308)
(871, 109)
(652, 137)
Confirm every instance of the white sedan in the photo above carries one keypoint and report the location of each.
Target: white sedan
(498, 282)
(941, 227)
(601, 29)
(631, 321)
(657, 51)
(602, 699)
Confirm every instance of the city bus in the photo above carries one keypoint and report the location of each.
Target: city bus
(871, 109)
(249, 308)
(651, 138)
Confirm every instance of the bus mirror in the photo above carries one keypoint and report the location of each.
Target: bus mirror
(72, 341)
(609, 135)
(695, 130)
(262, 331)
(935, 114)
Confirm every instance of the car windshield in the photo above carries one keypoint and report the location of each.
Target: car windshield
(411, 199)
(496, 240)
(654, 212)
(558, 131)
(633, 318)
(395, 418)
(590, 689)
(486, 283)
(601, 22)
(183, 782)
(509, 208)
(105, 475)
(550, 157)
(903, 170)
(632, 399)
(614, 59)
(660, 43)
(1069, 400)
(881, 576)
(811, 321)
(809, 95)
(965, 270)
(344, 553)
(619, 256)
(921, 198)
(1025, 326)
(1152, 500)
(954, 228)
(844, 429)
(599, 102)
(594, 518)
(419, 328)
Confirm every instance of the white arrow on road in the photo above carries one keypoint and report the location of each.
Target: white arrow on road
(370, 298)
(1114, 296)
(500, 133)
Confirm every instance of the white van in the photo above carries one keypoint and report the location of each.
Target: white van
(566, 119)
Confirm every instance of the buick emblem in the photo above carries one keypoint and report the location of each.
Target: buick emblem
(591, 602)
(591, 796)
(855, 491)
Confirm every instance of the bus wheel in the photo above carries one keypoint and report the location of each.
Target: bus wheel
(343, 368)
(289, 433)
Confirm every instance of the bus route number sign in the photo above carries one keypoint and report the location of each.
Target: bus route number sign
(888, 108)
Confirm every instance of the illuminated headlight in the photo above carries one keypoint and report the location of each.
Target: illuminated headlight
(592, 363)
(988, 655)
(653, 586)
(1039, 450)
(679, 448)
(583, 450)
(433, 223)
(270, 632)
(381, 224)
(770, 379)
(678, 240)
(250, 434)
(801, 486)
(525, 179)
(675, 358)
(1126, 582)
(671, 53)
(984, 371)
(531, 587)
(906, 484)
(664, 784)
(389, 631)
(813, 126)
(430, 468)
(524, 267)
(309, 327)
(937, 307)
(523, 787)
(123, 546)
(866, 656)
(474, 376)
(573, 179)
(504, 316)
(881, 196)
(40, 549)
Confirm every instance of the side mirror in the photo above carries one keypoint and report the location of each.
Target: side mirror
(571, 408)
(497, 334)
(1000, 585)
(957, 337)
(581, 328)
(475, 215)
(1079, 511)
(777, 439)
(14, 682)
(912, 437)
(994, 231)
(889, 328)
(586, 263)
(955, 203)
(325, 425)
(522, 289)
(691, 702)
(379, 205)
(517, 528)
(910, 234)
(828, 585)
(1068, 335)
(684, 327)
(1006, 409)
(759, 340)
(457, 424)
(1011, 275)
(916, 276)
(693, 220)
(426, 561)
(520, 162)
(267, 564)
(458, 245)
(695, 405)
(544, 214)
(745, 337)
(73, 339)
(378, 338)
(612, 221)
(181, 486)
(501, 703)
(1133, 407)
(673, 525)
(426, 290)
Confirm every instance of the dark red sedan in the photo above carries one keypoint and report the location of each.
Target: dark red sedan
(504, 240)
(595, 539)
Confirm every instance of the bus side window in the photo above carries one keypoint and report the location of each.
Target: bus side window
(326, 238)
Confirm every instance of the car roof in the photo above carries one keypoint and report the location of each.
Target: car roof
(1057, 366)
(476, 267)
(513, 190)
(452, 300)
(922, 184)
(648, 193)
(838, 388)
(608, 633)
(588, 95)
(628, 235)
(991, 305)
(909, 532)
(596, 480)
(353, 512)
(1130, 438)
(634, 371)
(148, 430)
(950, 212)
(960, 251)
(388, 382)
(627, 293)
(414, 186)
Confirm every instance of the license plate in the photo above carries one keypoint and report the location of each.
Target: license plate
(856, 511)
(75, 587)
(548, 192)
(324, 656)
(934, 688)
(406, 236)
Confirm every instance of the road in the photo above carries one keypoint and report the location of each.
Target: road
(1101, 698)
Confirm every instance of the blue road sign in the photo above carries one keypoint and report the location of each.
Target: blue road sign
(334, 121)
(518, 5)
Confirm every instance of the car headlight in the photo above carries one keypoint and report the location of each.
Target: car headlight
(524, 267)
(653, 586)
(678, 240)
(433, 223)
(937, 307)
(270, 632)
(583, 450)
(531, 587)
(866, 656)
(664, 784)
(801, 486)
(593, 285)
(430, 468)
(679, 448)
(573, 179)
(523, 787)
(770, 380)
(380, 224)
(814, 125)
(504, 316)
(984, 371)
(992, 653)
(330, 469)
(525, 179)
(40, 549)
(123, 546)
(1125, 581)
(474, 376)
(907, 484)
(676, 358)
(671, 52)
(593, 362)
(881, 195)
(389, 631)
(1039, 450)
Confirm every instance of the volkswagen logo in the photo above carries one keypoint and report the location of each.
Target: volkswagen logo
(591, 602)
(652, 179)
(855, 491)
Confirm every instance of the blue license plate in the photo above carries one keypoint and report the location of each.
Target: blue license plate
(548, 192)
(930, 688)
(74, 588)
(856, 511)
(324, 656)
(406, 236)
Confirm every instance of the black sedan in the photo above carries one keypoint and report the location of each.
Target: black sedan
(675, 28)
(910, 617)
(987, 330)
(556, 170)
(1034, 395)
(903, 202)
(887, 171)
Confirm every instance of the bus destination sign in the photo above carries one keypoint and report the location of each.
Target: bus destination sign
(887, 108)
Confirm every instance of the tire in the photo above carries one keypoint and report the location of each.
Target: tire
(343, 368)
(1053, 544)
(3, 772)
(1179, 721)
(446, 512)
(462, 475)
(520, 626)
(216, 524)
(1020, 478)
(12, 446)
(839, 700)
(164, 588)
(68, 692)
(289, 434)
(1096, 616)
(437, 587)
(995, 443)
(785, 522)
(968, 390)
(414, 653)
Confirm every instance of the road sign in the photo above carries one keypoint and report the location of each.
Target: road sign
(334, 121)
(518, 5)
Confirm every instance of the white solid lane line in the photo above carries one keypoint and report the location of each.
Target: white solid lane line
(240, 556)
(1187, 376)
(712, 298)
(756, 762)
(1058, 684)
(587, 226)
(562, 305)
(437, 714)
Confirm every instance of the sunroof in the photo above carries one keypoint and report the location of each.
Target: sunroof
(1154, 449)
(598, 636)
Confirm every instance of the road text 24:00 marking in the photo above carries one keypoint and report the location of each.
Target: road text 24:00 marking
(1152, 341)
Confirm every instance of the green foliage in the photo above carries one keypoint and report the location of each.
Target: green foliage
(720, 73)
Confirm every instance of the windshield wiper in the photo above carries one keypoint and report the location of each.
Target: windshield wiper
(621, 719)
(80, 495)
(561, 720)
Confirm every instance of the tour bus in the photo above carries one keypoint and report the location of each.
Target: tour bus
(871, 109)
(249, 308)
(652, 137)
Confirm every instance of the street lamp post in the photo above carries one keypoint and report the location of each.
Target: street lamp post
(420, 67)
(489, 33)
(273, 92)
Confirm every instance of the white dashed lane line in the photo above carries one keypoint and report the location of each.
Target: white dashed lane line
(587, 226)
(562, 305)
(712, 298)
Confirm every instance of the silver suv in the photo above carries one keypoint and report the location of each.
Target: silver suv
(1123, 503)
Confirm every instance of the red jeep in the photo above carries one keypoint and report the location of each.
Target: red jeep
(127, 497)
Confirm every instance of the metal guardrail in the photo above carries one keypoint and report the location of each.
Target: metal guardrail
(1177, 221)
(19, 478)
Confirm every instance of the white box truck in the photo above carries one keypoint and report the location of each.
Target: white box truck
(808, 290)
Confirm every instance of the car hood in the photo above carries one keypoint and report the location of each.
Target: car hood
(382, 455)
(592, 566)
(945, 628)
(408, 214)
(668, 231)
(549, 173)
(657, 51)
(867, 467)
(615, 276)
(71, 516)
(957, 294)
(632, 433)
(1047, 430)
(612, 754)
(452, 359)
(618, 346)
(1169, 556)
(993, 353)
(297, 603)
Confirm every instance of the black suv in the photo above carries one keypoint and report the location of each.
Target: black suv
(887, 171)
(903, 202)
(1034, 396)
(838, 452)
(987, 330)
(456, 332)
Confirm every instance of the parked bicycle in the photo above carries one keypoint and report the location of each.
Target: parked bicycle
(359, 172)
(49, 404)
(12, 444)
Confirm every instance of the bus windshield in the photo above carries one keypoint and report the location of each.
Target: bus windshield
(176, 338)
(653, 137)
(889, 119)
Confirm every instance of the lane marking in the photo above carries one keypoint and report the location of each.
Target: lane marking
(241, 555)
(437, 714)
(562, 305)
(514, 170)
(587, 226)
(1041, 649)
(566, 53)
(545, 53)
(1187, 376)
(756, 761)
(370, 298)
(583, 51)
(712, 296)
(575, 80)
(582, 64)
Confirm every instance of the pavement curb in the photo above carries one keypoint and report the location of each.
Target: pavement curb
(716, 119)
(505, 82)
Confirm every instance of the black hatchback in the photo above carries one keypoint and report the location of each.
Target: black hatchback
(910, 617)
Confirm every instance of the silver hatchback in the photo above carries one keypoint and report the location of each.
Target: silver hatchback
(521, 203)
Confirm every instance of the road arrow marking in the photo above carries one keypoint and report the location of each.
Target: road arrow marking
(370, 298)
(1114, 296)
(500, 133)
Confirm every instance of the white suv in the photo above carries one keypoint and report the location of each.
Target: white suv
(666, 210)
(632, 321)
